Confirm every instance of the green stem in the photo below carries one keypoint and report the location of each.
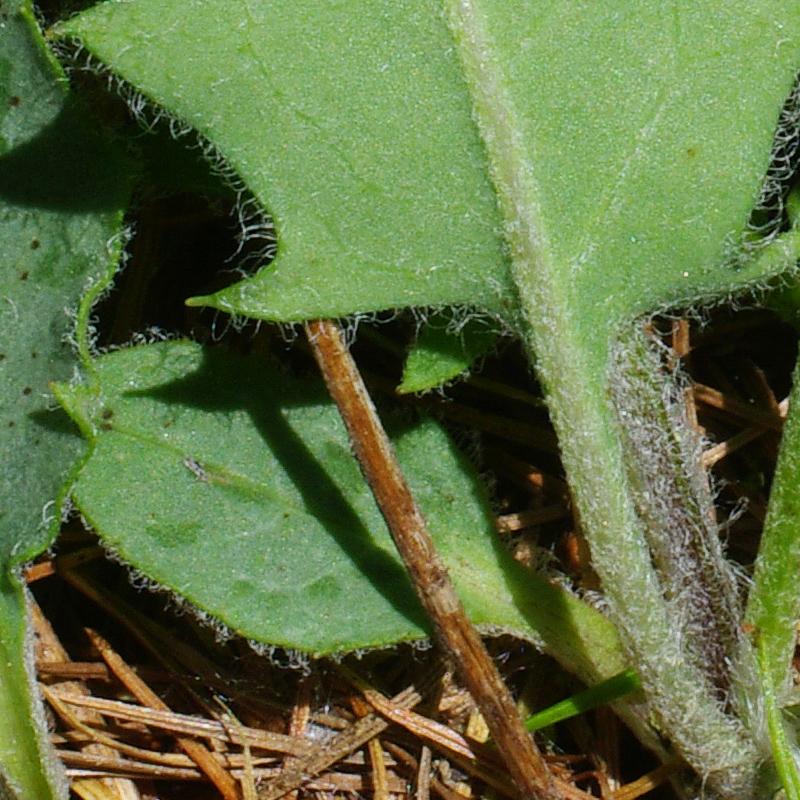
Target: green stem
(783, 751)
(773, 606)
(575, 367)
(28, 771)
(653, 626)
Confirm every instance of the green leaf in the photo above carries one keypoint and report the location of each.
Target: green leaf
(567, 167)
(363, 102)
(773, 606)
(234, 486)
(61, 191)
(443, 352)
(783, 739)
(357, 133)
(773, 603)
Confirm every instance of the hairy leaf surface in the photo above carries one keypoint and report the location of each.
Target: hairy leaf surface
(234, 486)
(61, 191)
(642, 135)
(334, 117)
(567, 166)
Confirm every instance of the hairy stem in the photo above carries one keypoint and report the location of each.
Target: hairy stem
(674, 503)
(28, 770)
(608, 481)
(575, 366)
(773, 606)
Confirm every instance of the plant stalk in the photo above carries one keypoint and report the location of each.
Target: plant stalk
(575, 365)
(428, 573)
(773, 605)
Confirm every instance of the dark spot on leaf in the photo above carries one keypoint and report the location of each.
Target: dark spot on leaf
(11, 424)
(2, 356)
(691, 152)
(23, 276)
(106, 426)
(14, 100)
(168, 423)
(35, 244)
(27, 390)
(34, 354)
(107, 413)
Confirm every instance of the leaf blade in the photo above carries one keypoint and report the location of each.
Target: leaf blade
(363, 151)
(442, 353)
(308, 548)
(633, 94)
(447, 215)
(56, 217)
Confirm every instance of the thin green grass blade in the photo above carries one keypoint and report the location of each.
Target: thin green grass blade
(773, 607)
(616, 687)
(782, 738)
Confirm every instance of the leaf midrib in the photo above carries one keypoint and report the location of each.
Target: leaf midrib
(512, 171)
(240, 483)
(572, 353)
(542, 292)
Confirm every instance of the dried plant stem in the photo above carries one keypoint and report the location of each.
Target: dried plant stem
(428, 573)
(343, 744)
(197, 751)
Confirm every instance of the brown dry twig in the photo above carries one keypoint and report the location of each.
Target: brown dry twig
(198, 752)
(428, 573)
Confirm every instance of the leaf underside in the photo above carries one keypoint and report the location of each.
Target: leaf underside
(563, 166)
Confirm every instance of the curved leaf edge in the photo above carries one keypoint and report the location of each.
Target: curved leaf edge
(588, 618)
(29, 768)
